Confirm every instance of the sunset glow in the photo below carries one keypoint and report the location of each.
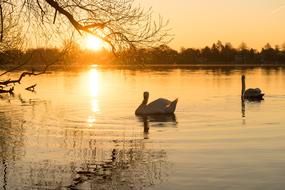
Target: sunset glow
(201, 23)
(142, 94)
(93, 43)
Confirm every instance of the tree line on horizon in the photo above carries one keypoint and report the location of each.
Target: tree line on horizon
(218, 53)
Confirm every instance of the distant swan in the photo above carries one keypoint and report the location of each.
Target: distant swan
(159, 106)
(251, 93)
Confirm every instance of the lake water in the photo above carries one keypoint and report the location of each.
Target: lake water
(79, 131)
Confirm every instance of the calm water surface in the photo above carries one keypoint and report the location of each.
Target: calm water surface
(79, 131)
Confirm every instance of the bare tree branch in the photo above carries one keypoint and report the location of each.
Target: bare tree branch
(122, 24)
(16, 67)
(1, 23)
(28, 73)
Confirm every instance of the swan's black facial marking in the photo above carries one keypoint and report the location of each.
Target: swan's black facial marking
(145, 95)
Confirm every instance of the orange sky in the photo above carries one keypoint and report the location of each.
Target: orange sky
(197, 23)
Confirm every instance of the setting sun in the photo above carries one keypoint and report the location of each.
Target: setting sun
(93, 43)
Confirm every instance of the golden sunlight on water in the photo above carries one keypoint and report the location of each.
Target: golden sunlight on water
(94, 86)
(81, 131)
(95, 106)
(94, 82)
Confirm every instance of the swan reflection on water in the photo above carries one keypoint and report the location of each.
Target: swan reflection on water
(244, 102)
(86, 162)
(251, 95)
(164, 120)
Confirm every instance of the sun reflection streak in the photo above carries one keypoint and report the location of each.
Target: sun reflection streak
(91, 120)
(95, 106)
(94, 86)
(94, 82)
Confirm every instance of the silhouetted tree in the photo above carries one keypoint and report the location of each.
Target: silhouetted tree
(121, 24)
(206, 53)
(215, 53)
(10, 30)
(228, 53)
(243, 46)
(220, 46)
(189, 56)
(268, 54)
(164, 55)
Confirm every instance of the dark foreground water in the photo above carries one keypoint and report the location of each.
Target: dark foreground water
(79, 131)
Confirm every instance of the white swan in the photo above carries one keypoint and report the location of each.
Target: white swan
(159, 106)
(251, 93)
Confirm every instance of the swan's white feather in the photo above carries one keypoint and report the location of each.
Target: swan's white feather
(159, 106)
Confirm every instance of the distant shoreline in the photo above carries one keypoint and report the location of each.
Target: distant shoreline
(197, 65)
(79, 67)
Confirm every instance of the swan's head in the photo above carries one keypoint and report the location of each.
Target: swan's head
(145, 95)
(243, 77)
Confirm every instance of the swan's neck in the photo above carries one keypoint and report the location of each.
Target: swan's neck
(144, 102)
(142, 106)
(242, 86)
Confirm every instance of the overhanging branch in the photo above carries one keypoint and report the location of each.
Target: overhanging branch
(2, 23)
(6, 83)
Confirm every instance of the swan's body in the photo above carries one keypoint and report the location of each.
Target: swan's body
(251, 93)
(159, 106)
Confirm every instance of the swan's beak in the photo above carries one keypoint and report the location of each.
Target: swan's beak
(145, 95)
